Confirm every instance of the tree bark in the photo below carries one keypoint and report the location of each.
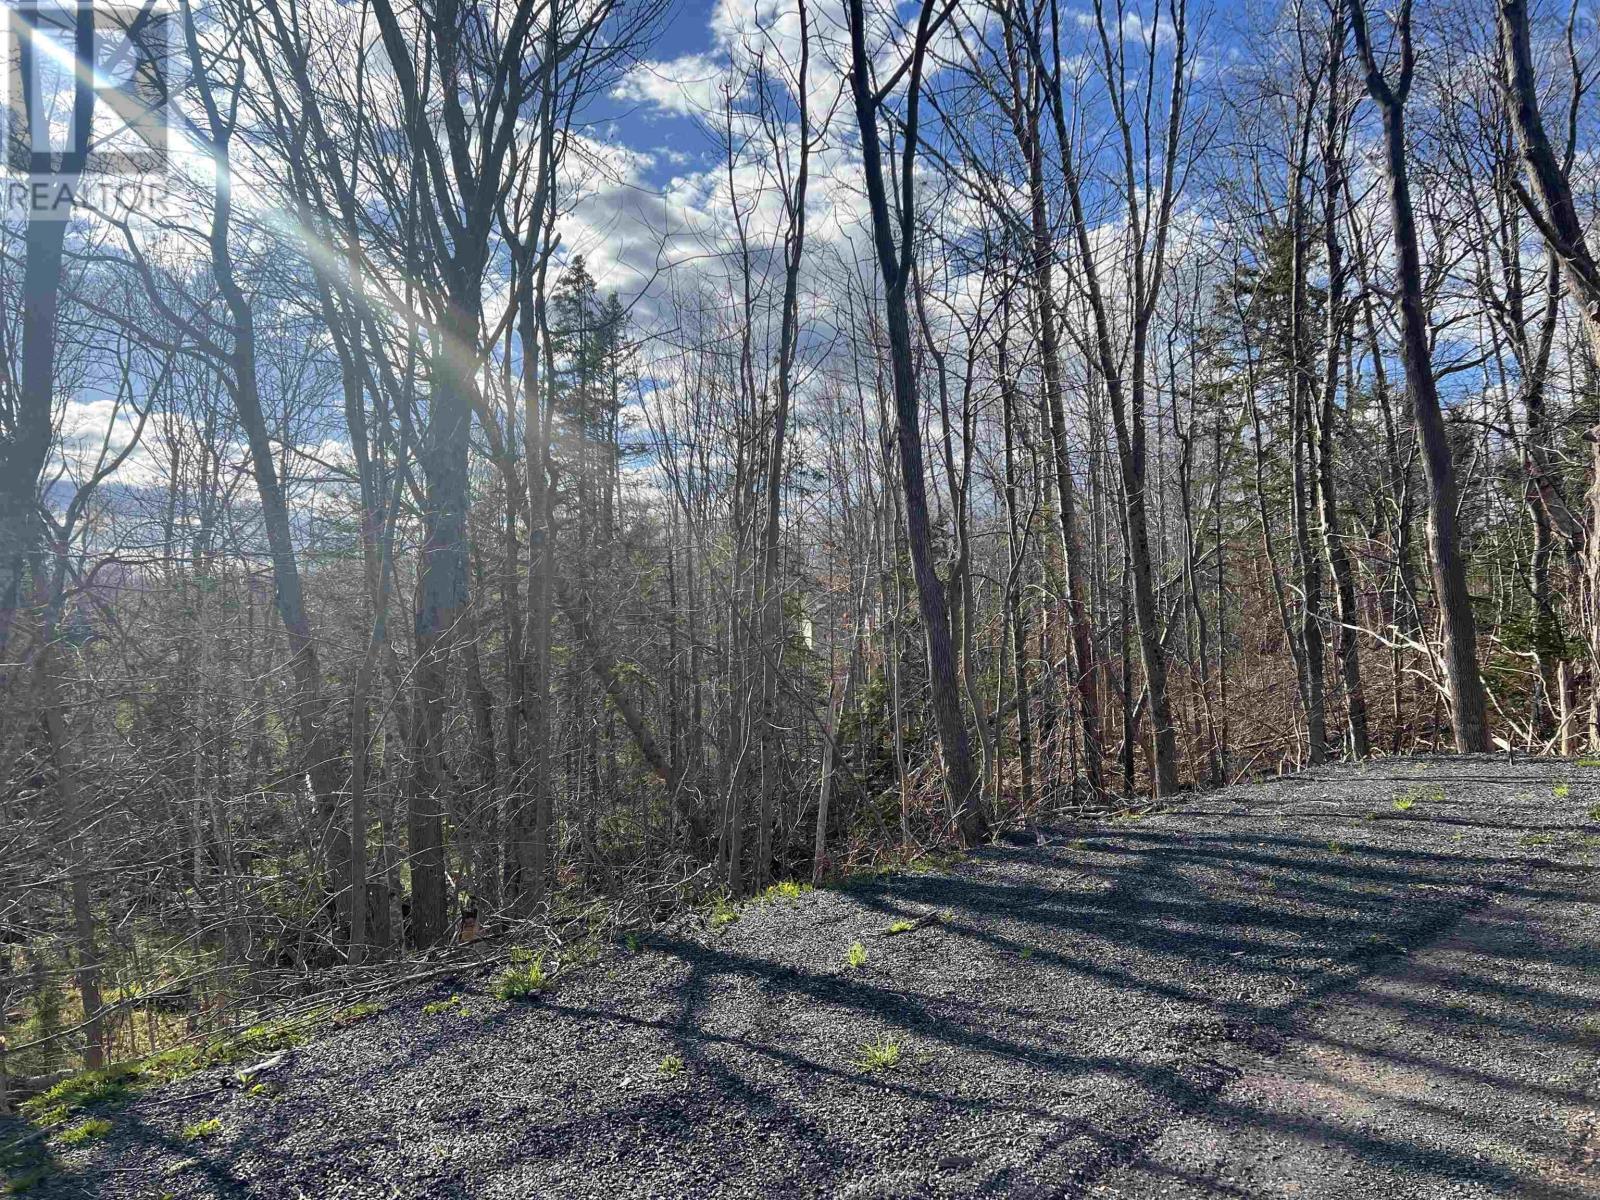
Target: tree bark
(962, 807)
(1468, 702)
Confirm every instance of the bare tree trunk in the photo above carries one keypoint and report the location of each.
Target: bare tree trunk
(25, 446)
(1349, 650)
(770, 598)
(1025, 119)
(1552, 209)
(318, 759)
(895, 262)
(1468, 702)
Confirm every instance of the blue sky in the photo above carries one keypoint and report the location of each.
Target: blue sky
(643, 126)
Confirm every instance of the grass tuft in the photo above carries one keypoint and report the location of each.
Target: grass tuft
(1561, 791)
(788, 889)
(25, 1182)
(454, 1005)
(902, 927)
(518, 982)
(1338, 848)
(882, 1053)
(670, 1067)
(723, 913)
(200, 1130)
(108, 1085)
(118, 1083)
(856, 956)
(85, 1131)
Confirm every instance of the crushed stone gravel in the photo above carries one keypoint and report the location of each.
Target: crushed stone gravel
(1378, 980)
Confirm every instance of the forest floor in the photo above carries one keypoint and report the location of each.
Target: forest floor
(1380, 981)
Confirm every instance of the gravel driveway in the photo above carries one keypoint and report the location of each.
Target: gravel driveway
(1355, 982)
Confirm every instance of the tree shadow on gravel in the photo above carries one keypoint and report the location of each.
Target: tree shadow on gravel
(1076, 999)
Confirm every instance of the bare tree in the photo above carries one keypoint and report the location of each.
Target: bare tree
(1469, 705)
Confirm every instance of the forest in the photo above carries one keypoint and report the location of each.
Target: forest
(436, 506)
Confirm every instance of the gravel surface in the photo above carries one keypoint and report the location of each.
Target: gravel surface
(1295, 988)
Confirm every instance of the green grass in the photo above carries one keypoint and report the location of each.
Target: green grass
(1561, 791)
(85, 1131)
(723, 913)
(200, 1130)
(454, 1005)
(1594, 812)
(1413, 796)
(902, 927)
(882, 1053)
(518, 982)
(789, 889)
(1338, 848)
(856, 956)
(670, 1067)
(1536, 839)
(26, 1181)
(87, 1089)
(1589, 762)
